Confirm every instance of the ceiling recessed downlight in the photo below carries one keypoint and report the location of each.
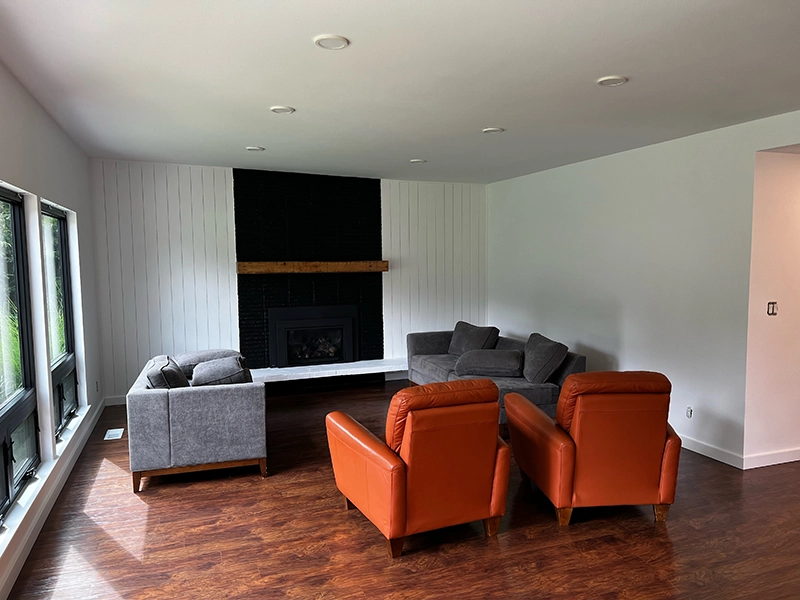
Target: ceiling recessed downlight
(331, 42)
(282, 110)
(612, 81)
(254, 148)
(417, 161)
(493, 130)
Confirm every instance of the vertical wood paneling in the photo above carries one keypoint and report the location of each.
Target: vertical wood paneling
(434, 237)
(166, 263)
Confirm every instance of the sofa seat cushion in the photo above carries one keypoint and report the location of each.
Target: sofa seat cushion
(221, 371)
(543, 395)
(468, 337)
(164, 373)
(542, 357)
(490, 363)
(189, 360)
(437, 367)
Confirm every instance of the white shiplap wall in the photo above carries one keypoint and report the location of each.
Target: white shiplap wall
(434, 237)
(166, 263)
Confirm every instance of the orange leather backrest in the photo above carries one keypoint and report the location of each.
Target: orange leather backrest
(450, 455)
(434, 395)
(619, 423)
(605, 382)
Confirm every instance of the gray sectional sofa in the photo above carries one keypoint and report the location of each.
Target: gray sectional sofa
(175, 427)
(471, 352)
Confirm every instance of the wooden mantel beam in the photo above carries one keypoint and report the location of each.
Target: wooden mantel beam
(355, 266)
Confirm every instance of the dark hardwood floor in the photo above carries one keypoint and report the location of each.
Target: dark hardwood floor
(232, 534)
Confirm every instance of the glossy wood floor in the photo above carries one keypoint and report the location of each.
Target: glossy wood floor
(731, 534)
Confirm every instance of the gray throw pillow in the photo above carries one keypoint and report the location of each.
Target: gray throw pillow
(221, 371)
(491, 363)
(468, 337)
(189, 360)
(542, 357)
(164, 373)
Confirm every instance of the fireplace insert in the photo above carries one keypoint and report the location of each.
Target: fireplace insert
(313, 335)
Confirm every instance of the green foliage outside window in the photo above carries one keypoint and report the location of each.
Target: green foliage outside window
(10, 354)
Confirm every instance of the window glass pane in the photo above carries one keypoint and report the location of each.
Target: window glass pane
(10, 355)
(70, 402)
(54, 279)
(23, 440)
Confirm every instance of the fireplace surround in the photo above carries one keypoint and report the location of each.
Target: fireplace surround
(300, 217)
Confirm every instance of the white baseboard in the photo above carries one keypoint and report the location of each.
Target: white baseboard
(725, 456)
(26, 517)
(395, 375)
(765, 459)
(114, 400)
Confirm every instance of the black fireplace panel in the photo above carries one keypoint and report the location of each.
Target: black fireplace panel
(301, 217)
(310, 335)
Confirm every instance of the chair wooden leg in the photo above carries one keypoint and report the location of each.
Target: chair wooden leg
(137, 479)
(564, 515)
(491, 525)
(661, 510)
(395, 546)
(347, 504)
(262, 464)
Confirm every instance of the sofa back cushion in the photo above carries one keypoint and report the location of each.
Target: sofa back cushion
(490, 363)
(189, 360)
(221, 371)
(468, 337)
(542, 358)
(164, 373)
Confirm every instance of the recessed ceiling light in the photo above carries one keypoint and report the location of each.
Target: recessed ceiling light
(282, 110)
(254, 148)
(612, 81)
(493, 130)
(331, 42)
(417, 161)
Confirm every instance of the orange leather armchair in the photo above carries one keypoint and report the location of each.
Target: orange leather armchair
(442, 464)
(610, 443)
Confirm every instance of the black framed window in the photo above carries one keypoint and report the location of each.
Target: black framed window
(18, 415)
(58, 305)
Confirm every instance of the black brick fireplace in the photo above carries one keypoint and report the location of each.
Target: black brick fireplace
(299, 217)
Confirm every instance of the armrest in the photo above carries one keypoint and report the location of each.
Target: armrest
(502, 466)
(368, 473)
(427, 342)
(543, 450)
(669, 467)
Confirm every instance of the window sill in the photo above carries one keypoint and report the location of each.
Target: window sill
(29, 512)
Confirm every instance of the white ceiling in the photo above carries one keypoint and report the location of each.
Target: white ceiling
(191, 81)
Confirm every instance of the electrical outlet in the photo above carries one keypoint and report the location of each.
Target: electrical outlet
(96, 386)
(688, 412)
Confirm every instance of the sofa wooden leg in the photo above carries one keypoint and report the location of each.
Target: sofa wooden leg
(395, 546)
(347, 504)
(137, 479)
(564, 515)
(661, 510)
(491, 525)
(262, 464)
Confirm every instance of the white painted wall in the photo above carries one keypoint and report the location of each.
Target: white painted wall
(772, 392)
(434, 237)
(36, 155)
(166, 263)
(641, 260)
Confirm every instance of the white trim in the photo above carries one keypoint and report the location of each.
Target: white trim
(765, 459)
(725, 456)
(114, 400)
(28, 514)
